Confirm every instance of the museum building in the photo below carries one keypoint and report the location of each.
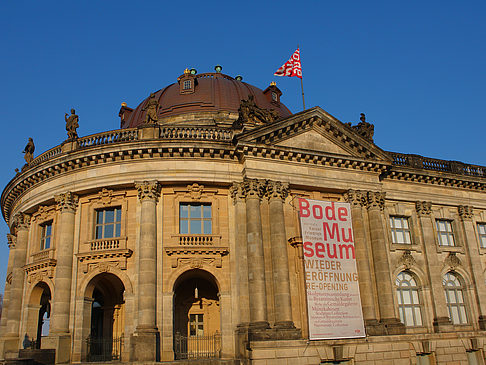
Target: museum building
(177, 237)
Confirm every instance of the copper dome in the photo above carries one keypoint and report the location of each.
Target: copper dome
(215, 98)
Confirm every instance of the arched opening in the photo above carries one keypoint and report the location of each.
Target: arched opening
(197, 324)
(39, 313)
(105, 293)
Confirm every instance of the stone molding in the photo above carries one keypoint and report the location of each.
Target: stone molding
(148, 190)
(276, 190)
(423, 208)
(356, 198)
(407, 260)
(200, 256)
(452, 261)
(376, 200)
(465, 212)
(67, 202)
(12, 240)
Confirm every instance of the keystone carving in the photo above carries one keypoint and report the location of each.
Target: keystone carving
(277, 190)
(465, 212)
(452, 261)
(423, 208)
(195, 191)
(148, 190)
(407, 260)
(376, 199)
(356, 198)
(67, 202)
(105, 196)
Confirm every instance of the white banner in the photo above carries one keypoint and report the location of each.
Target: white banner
(333, 301)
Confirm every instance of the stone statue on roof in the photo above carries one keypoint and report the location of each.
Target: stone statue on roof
(151, 107)
(71, 124)
(250, 113)
(29, 151)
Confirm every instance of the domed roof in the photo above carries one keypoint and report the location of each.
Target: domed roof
(212, 98)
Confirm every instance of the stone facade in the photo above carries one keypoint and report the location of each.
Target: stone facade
(154, 236)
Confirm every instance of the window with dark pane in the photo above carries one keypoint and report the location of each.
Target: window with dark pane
(195, 218)
(108, 223)
(46, 235)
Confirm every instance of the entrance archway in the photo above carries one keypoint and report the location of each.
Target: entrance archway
(106, 317)
(39, 313)
(197, 322)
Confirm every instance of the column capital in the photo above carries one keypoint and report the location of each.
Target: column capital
(276, 190)
(465, 212)
(423, 208)
(238, 192)
(148, 190)
(376, 199)
(67, 202)
(254, 188)
(21, 222)
(12, 240)
(356, 198)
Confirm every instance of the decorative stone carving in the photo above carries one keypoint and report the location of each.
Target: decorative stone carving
(29, 151)
(152, 108)
(42, 213)
(452, 261)
(71, 125)
(206, 256)
(407, 260)
(12, 240)
(148, 190)
(465, 212)
(254, 188)
(21, 221)
(195, 191)
(376, 199)
(423, 208)
(197, 263)
(36, 276)
(237, 191)
(116, 258)
(251, 114)
(67, 202)
(105, 196)
(356, 198)
(277, 190)
(363, 128)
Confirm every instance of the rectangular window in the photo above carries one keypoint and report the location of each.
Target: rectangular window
(187, 85)
(482, 234)
(400, 230)
(196, 325)
(46, 235)
(444, 233)
(108, 223)
(195, 218)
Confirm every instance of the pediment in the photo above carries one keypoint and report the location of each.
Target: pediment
(314, 130)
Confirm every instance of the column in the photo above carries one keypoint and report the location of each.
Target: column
(241, 253)
(256, 269)
(376, 204)
(434, 267)
(8, 282)
(146, 336)
(276, 194)
(466, 214)
(358, 199)
(59, 336)
(12, 338)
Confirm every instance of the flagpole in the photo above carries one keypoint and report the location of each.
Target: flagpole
(301, 82)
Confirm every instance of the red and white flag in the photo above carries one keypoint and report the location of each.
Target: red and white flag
(292, 67)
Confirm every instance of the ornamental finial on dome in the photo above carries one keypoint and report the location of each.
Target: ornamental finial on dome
(187, 71)
(273, 83)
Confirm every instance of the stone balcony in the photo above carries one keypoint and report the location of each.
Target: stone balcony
(105, 253)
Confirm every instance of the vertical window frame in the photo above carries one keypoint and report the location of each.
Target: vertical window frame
(445, 238)
(116, 224)
(396, 231)
(411, 313)
(44, 237)
(187, 227)
(457, 309)
(481, 227)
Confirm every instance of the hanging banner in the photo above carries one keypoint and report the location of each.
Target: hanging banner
(331, 277)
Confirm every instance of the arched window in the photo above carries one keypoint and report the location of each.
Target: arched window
(408, 300)
(454, 298)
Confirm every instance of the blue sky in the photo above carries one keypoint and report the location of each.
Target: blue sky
(416, 68)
